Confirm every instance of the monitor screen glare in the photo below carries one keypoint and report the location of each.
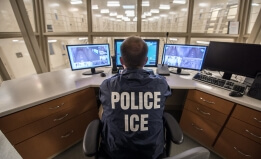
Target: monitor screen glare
(89, 56)
(184, 56)
(153, 47)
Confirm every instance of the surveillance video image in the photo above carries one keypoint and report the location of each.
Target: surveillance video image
(184, 56)
(89, 56)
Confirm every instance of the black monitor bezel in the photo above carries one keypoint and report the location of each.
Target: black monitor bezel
(226, 71)
(186, 45)
(146, 40)
(85, 45)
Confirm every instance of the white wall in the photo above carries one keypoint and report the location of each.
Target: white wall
(17, 67)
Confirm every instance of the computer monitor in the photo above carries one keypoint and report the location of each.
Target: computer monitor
(89, 56)
(153, 52)
(234, 58)
(183, 57)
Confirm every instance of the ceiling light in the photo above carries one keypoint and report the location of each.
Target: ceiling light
(184, 9)
(150, 19)
(113, 14)
(83, 38)
(119, 16)
(143, 16)
(144, 20)
(173, 39)
(163, 15)
(15, 40)
(145, 3)
(113, 3)
(128, 7)
(95, 7)
(255, 4)
(52, 41)
(76, 2)
(154, 11)
(105, 11)
(203, 4)
(202, 42)
(73, 9)
(162, 6)
(147, 14)
(54, 5)
(134, 19)
(179, 1)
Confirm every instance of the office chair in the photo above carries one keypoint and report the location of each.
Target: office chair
(173, 133)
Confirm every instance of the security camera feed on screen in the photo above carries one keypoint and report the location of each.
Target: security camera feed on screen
(88, 56)
(184, 56)
(153, 47)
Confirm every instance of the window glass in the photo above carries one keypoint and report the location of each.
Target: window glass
(255, 9)
(16, 57)
(213, 16)
(205, 41)
(171, 40)
(7, 17)
(164, 16)
(58, 53)
(114, 16)
(65, 16)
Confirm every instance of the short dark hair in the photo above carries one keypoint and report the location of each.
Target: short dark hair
(134, 51)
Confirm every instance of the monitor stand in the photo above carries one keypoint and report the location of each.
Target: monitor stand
(180, 72)
(92, 71)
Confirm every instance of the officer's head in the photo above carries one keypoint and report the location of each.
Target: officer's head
(134, 52)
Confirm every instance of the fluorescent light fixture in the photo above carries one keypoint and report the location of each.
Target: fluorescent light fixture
(154, 11)
(119, 16)
(151, 19)
(145, 3)
(54, 5)
(105, 11)
(147, 14)
(134, 19)
(129, 12)
(202, 42)
(52, 41)
(184, 9)
(255, 4)
(163, 15)
(113, 3)
(95, 7)
(73, 9)
(144, 20)
(173, 39)
(76, 2)
(85, 38)
(202, 4)
(15, 40)
(143, 16)
(128, 7)
(162, 6)
(179, 1)
(113, 14)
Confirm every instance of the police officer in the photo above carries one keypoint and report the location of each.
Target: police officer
(133, 105)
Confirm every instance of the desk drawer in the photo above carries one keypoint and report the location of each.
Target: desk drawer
(200, 129)
(245, 129)
(39, 126)
(210, 101)
(206, 112)
(56, 139)
(247, 115)
(232, 145)
(27, 116)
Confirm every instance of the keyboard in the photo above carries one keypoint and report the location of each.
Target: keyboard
(219, 82)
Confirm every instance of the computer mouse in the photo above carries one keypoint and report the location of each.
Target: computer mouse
(235, 94)
(103, 74)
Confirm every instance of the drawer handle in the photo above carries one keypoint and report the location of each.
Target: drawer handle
(58, 106)
(204, 100)
(61, 118)
(253, 134)
(205, 113)
(242, 153)
(200, 129)
(67, 135)
(257, 120)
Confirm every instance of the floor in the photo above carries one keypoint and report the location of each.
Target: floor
(75, 152)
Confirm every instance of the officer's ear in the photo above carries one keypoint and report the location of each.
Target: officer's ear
(145, 61)
(122, 62)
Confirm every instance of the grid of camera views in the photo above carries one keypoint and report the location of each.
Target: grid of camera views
(89, 56)
(182, 56)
